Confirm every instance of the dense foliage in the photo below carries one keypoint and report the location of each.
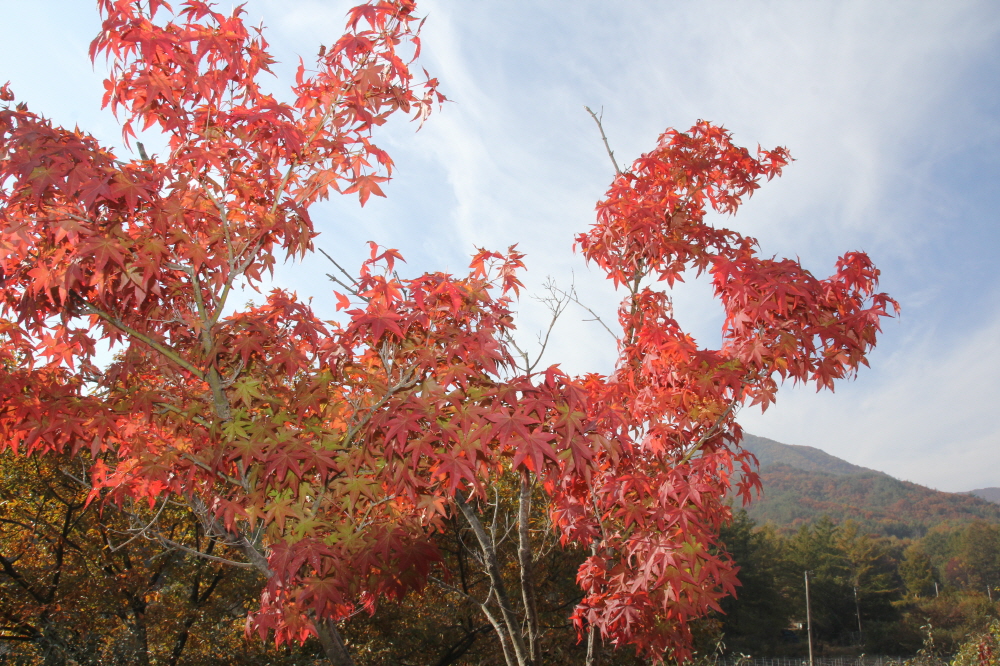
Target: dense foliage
(120, 602)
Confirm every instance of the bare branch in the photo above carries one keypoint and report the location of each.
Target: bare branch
(524, 556)
(557, 303)
(572, 296)
(142, 532)
(257, 559)
(483, 606)
(607, 146)
(341, 268)
(592, 630)
(520, 352)
(197, 553)
(131, 332)
(486, 545)
(591, 646)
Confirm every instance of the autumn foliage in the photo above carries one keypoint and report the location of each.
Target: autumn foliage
(330, 452)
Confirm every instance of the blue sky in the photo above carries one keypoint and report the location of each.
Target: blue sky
(891, 109)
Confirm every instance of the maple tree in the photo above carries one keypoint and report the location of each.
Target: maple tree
(329, 453)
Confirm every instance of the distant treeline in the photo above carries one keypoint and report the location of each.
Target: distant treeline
(869, 592)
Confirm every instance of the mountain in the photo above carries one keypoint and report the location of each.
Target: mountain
(806, 458)
(802, 484)
(988, 494)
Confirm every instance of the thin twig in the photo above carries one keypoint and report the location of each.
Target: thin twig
(179, 546)
(556, 305)
(607, 146)
(141, 532)
(405, 382)
(217, 473)
(339, 267)
(572, 296)
(520, 352)
(497, 626)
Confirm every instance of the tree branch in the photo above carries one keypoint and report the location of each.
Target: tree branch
(497, 626)
(496, 580)
(714, 429)
(212, 527)
(607, 146)
(141, 337)
(170, 543)
(572, 295)
(346, 274)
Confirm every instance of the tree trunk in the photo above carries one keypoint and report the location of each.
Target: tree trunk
(333, 644)
(140, 639)
(592, 656)
(525, 557)
(488, 549)
(180, 641)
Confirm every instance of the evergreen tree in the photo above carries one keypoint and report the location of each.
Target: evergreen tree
(875, 579)
(817, 549)
(754, 619)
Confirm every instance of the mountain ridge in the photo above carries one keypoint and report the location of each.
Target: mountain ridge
(988, 494)
(803, 483)
(807, 458)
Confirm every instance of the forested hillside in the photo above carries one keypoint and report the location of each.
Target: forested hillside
(802, 484)
(869, 593)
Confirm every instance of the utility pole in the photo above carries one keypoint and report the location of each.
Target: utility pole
(809, 622)
(857, 608)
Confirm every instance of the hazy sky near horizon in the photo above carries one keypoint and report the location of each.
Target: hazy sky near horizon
(891, 109)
